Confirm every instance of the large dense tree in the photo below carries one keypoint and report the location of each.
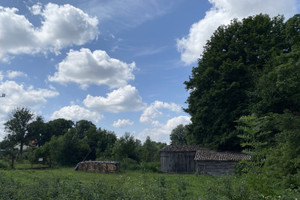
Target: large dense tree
(223, 87)
(17, 127)
(59, 126)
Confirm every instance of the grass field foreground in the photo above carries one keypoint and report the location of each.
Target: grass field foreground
(65, 183)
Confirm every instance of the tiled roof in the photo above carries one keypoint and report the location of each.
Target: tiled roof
(180, 148)
(206, 154)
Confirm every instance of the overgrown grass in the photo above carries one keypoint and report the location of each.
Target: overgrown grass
(65, 183)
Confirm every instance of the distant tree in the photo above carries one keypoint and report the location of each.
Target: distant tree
(178, 135)
(149, 150)
(127, 147)
(17, 127)
(37, 130)
(7, 147)
(83, 126)
(106, 142)
(59, 126)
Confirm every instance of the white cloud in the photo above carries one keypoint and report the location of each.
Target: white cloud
(36, 9)
(222, 11)
(17, 95)
(15, 74)
(66, 25)
(85, 67)
(122, 123)
(120, 100)
(76, 113)
(161, 132)
(62, 26)
(17, 34)
(152, 111)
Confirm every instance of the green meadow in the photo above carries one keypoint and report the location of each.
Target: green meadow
(65, 183)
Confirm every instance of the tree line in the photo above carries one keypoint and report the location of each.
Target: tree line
(63, 142)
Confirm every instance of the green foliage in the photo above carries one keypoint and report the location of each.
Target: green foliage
(59, 127)
(17, 127)
(249, 187)
(178, 135)
(254, 136)
(126, 147)
(249, 66)
(274, 141)
(37, 130)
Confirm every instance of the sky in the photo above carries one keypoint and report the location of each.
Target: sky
(118, 63)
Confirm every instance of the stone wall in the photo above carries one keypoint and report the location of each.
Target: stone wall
(215, 168)
(98, 166)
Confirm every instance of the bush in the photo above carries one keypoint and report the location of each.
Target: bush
(129, 164)
(3, 165)
(150, 166)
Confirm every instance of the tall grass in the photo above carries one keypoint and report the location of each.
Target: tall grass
(65, 183)
(68, 184)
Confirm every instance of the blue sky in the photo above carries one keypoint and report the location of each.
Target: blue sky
(118, 63)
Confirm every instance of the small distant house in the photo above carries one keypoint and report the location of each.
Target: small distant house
(195, 159)
(98, 166)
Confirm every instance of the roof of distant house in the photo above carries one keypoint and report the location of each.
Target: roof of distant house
(211, 155)
(180, 148)
(205, 154)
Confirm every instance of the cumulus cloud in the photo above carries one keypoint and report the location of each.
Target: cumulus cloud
(161, 132)
(85, 67)
(222, 12)
(17, 95)
(152, 111)
(76, 113)
(122, 123)
(62, 26)
(15, 74)
(123, 99)
(66, 25)
(36, 9)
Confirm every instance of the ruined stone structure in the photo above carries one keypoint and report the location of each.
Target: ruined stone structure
(194, 159)
(98, 166)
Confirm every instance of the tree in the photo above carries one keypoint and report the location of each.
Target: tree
(37, 130)
(127, 147)
(149, 150)
(7, 146)
(17, 127)
(222, 87)
(82, 126)
(59, 126)
(178, 135)
(105, 144)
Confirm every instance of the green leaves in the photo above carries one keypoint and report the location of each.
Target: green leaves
(249, 66)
